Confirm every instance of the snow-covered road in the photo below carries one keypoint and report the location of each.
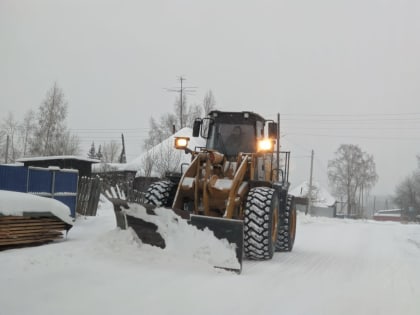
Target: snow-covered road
(336, 267)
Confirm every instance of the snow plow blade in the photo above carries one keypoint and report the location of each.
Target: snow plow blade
(147, 231)
(231, 230)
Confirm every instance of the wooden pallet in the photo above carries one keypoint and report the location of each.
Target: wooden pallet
(24, 230)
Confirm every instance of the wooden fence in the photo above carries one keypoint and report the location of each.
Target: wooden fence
(123, 190)
(90, 189)
(88, 195)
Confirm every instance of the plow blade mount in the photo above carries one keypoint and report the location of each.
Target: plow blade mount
(229, 229)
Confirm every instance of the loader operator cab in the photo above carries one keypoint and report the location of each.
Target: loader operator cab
(231, 133)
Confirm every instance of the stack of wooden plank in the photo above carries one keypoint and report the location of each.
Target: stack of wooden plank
(30, 230)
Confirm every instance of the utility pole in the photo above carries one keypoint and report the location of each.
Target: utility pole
(181, 100)
(182, 90)
(123, 158)
(7, 150)
(308, 206)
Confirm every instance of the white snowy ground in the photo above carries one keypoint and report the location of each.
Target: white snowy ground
(336, 267)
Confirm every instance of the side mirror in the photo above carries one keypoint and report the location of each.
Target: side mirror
(196, 127)
(206, 125)
(272, 130)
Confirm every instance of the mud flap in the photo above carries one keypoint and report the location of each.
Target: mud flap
(229, 229)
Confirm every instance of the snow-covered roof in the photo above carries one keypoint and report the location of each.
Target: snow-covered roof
(322, 197)
(58, 157)
(168, 144)
(108, 167)
(16, 203)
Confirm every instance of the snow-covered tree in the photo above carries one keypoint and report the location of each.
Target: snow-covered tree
(92, 151)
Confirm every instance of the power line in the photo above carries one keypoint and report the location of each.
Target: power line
(344, 114)
(354, 137)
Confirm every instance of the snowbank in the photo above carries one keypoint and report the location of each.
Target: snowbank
(337, 266)
(16, 203)
(186, 241)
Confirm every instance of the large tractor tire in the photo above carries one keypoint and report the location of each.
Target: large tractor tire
(261, 223)
(287, 226)
(160, 194)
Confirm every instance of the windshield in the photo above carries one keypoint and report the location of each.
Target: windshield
(231, 139)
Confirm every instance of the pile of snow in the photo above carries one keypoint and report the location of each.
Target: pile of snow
(186, 241)
(322, 198)
(16, 203)
(166, 148)
(337, 266)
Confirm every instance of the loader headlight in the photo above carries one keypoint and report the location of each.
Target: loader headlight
(181, 142)
(265, 145)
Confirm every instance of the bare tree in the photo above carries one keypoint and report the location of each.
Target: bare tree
(66, 143)
(51, 132)
(148, 163)
(110, 151)
(164, 128)
(194, 112)
(3, 139)
(407, 193)
(9, 127)
(26, 130)
(351, 172)
(209, 102)
(159, 131)
(168, 159)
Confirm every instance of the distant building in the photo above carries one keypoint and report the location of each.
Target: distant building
(323, 203)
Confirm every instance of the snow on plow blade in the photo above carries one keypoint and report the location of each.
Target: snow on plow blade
(149, 223)
(231, 230)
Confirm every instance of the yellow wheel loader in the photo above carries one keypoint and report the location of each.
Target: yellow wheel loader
(236, 186)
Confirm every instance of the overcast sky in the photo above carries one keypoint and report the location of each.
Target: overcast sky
(337, 71)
